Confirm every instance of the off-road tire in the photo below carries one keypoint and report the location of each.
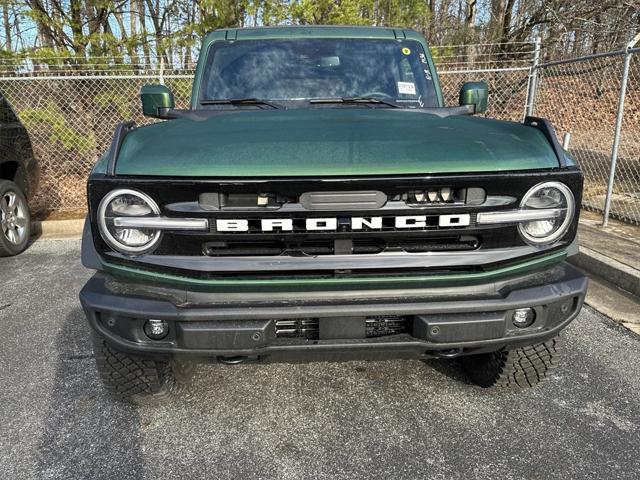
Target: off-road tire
(139, 380)
(519, 368)
(7, 248)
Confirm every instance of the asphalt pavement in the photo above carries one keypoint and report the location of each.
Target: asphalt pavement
(388, 420)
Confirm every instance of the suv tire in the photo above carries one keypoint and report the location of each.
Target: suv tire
(139, 380)
(15, 220)
(519, 368)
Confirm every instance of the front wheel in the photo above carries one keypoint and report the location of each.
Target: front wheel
(139, 380)
(519, 368)
(15, 220)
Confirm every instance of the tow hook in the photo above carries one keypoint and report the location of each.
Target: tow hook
(231, 360)
(454, 352)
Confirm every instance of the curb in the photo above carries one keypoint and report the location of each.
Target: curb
(618, 305)
(51, 229)
(615, 272)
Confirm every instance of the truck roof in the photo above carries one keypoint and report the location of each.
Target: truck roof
(312, 31)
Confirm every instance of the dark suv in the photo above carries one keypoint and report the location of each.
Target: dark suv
(19, 175)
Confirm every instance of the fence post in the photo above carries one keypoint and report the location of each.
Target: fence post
(616, 135)
(533, 78)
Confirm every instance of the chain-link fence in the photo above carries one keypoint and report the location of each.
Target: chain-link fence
(583, 97)
(505, 68)
(71, 119)
(71, 113)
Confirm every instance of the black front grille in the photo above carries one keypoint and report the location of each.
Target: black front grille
(253, 200)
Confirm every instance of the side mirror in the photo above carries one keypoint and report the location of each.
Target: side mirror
(157, 100)
(475, 94)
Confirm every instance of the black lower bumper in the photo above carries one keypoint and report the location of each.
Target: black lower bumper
(438, 322)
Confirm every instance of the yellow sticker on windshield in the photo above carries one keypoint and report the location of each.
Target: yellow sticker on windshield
(406, 51)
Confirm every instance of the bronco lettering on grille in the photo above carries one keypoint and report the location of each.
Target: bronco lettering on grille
(353, 223)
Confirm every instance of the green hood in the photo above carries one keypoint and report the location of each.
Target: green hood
(331, 141)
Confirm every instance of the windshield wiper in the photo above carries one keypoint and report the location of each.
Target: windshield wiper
(356, 100)
(240, 101)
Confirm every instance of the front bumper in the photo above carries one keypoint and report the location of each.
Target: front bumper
(441, 322)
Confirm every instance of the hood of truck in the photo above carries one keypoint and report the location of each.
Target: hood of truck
(329, 142)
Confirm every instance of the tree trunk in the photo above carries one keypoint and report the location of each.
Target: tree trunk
(45, 33)
(154, 12)
(7, 27)
(469, 25)
(143, 31)
(79, 43)
(506, 21)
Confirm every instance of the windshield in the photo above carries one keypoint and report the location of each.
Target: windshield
(293, 72)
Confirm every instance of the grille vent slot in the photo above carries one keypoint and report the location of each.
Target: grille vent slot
(359, 246)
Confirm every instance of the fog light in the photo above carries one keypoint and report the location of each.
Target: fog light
(156, 329)
(523, 317)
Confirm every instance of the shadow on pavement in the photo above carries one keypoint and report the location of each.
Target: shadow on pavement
(86, 434)
(450, 368)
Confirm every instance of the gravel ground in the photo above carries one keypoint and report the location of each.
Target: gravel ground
(398, 419)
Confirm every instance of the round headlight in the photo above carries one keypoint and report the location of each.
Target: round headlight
(554, 197)
(127, 203)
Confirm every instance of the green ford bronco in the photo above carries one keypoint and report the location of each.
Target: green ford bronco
(318, 201)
